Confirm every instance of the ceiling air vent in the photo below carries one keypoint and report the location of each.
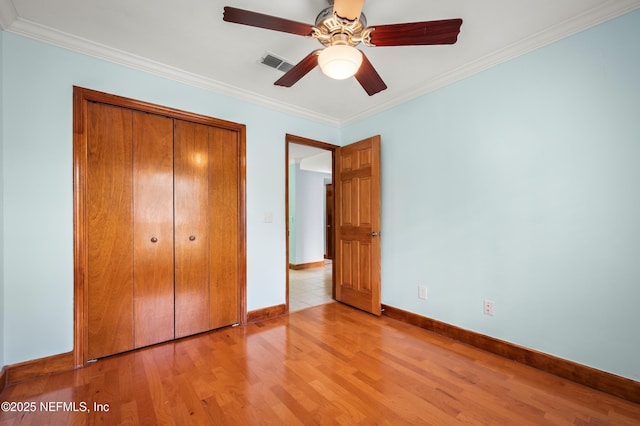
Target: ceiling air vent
(273, 61)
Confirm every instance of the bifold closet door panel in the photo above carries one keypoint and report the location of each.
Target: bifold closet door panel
(224, 215)
(109, 232)
(191, 171)
(153, 229)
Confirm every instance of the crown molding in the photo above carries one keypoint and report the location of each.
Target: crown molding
(10, 21)
(599, 14)
(67, 41)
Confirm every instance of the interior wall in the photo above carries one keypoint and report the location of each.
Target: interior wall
(309, 216)
(2, 309)
(38, 184)
(292, 213)
(520, 185)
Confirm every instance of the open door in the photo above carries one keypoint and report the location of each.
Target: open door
(357, 225)
(328, 247)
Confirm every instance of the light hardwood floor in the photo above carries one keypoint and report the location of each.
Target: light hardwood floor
(329, 364)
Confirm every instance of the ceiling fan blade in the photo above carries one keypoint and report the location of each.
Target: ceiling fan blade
(348, 9)
(416, 33)
(301, 69)
(260, 20)
(369, 78)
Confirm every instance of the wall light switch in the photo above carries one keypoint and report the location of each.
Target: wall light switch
(422, 292)
(268, 217)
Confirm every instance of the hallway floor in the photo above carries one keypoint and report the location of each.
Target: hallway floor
(309, 287)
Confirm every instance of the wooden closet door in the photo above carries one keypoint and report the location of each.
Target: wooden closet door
(153, 265)
(224, 181)
(159, 224)
(109, 178)
(191, 181)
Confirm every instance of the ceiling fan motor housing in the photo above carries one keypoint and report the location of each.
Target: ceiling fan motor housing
(331, 29)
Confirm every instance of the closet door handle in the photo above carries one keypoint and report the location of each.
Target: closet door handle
(154, 240)
(192, 237)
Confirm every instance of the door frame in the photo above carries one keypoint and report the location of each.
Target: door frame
(81, 98)
(289, 138)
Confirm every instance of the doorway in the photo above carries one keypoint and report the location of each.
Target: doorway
(309, 229)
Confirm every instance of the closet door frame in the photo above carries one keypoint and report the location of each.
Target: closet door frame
(81, 98)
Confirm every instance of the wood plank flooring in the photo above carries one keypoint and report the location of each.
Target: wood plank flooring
(329, 364)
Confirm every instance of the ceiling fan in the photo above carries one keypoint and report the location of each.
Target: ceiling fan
(340, 27)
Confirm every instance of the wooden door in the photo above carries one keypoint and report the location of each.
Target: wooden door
(109, 235)
(357, 223)
(225, 212)
(329, 221)
(130, 230)
(159, 224)
(152, 229)
(191, 227)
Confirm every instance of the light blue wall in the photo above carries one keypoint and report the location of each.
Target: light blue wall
(521, 185)
(1, 200)
(38, 192)
(292, 213)
(309, 216)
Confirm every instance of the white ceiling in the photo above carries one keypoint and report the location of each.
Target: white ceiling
(188, 41)
(310, 158)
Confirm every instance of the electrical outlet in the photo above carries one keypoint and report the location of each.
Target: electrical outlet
(422, 292)
(488, 307)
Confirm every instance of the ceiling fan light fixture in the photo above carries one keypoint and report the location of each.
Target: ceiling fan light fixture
(340, 61)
